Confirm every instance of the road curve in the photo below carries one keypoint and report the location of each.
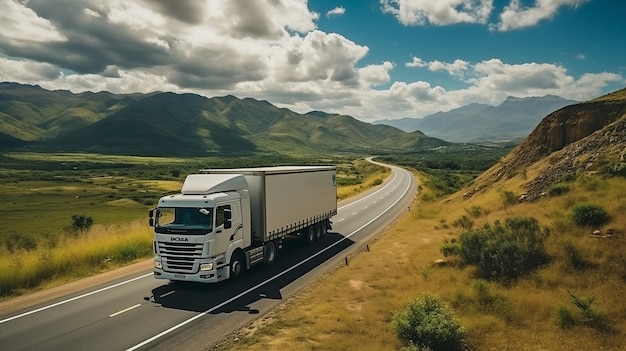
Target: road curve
(138, 312)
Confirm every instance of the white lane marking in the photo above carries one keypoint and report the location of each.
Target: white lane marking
(75, 298)
(355, 213)
(165, 332)
(167, 294)
(124, 310)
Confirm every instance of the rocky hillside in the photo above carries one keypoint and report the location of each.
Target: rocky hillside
(584, 136)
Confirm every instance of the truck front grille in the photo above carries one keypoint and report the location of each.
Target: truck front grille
(180, 257)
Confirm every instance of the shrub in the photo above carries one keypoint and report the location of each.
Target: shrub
(508, 197)
(474, 211)
(464, 223)
(593, 317)
(428, 324)
(504, 252)
(19, 241)
(616, 169)
(590, 215)
(565, 317)
(575, 257)
(558, 189)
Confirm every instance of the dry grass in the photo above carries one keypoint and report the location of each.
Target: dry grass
(374, 177)
(99, 249)
(351, 308)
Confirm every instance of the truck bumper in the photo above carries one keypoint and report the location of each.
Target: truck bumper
(206, 276)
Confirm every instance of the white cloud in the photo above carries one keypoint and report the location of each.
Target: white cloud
(416, 62)
(438, 12)
(272, 50)
(376, 74)
(19, 23)
(516, 16)
(337, 11)
(457, 68)
(31, 72)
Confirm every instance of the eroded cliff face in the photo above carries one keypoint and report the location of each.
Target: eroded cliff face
(568, 125)
(567, 136)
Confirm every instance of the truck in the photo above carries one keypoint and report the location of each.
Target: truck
(225, 221)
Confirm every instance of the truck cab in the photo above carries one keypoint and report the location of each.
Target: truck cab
(200, 237)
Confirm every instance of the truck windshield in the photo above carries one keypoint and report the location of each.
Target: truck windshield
(182, 220)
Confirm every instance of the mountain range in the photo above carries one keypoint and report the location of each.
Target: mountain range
(512, 120)
(584, 138)
(169, 124)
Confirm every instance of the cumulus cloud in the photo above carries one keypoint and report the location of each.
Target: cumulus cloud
(376, 74)
(337, 11)
(516, 16)
(22, 24)
(266, 49)
(440, 12)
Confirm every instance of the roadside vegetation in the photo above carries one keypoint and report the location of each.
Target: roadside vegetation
(67, 216)
(489, 272)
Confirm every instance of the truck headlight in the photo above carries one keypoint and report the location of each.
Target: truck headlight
(158, 265)
(206, 266)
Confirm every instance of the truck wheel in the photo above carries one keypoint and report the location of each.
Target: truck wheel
(237, 265)
(325, 227)
(309, 235)
(318, 231)
(269, 252)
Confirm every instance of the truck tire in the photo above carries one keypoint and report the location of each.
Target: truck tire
(309, 234)
(269, 252)
(318, 230)
(237, 265)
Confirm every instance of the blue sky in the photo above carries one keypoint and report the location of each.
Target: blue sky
(371, 59)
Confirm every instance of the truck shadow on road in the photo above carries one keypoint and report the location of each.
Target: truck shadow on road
(260, 282)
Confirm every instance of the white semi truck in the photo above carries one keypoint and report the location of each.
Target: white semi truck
(226, 220)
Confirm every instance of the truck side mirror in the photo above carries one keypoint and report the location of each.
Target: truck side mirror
(227, 219)
(151, 217)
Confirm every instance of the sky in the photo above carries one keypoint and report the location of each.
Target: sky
(370, 59)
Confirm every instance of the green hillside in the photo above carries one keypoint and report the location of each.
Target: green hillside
(169, 124)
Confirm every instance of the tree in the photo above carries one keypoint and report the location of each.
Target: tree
(81, 223)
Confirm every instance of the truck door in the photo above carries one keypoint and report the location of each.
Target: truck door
(224, 236)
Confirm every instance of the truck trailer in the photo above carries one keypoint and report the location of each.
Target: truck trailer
(226, 220)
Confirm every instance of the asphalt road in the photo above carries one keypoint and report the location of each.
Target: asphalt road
(138, 312)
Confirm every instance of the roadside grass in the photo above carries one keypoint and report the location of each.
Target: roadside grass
(351, 308)
(358, 176)
(100, 248)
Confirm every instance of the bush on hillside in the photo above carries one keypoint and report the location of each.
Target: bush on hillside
(503, 252)
(590, 215)
(616, 169)
(558, 189)
(427, 324)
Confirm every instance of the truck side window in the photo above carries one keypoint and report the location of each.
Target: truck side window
(219, 215)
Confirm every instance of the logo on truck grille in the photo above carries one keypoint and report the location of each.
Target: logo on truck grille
(176, 238)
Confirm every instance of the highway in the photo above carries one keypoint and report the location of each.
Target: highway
(138, 312)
